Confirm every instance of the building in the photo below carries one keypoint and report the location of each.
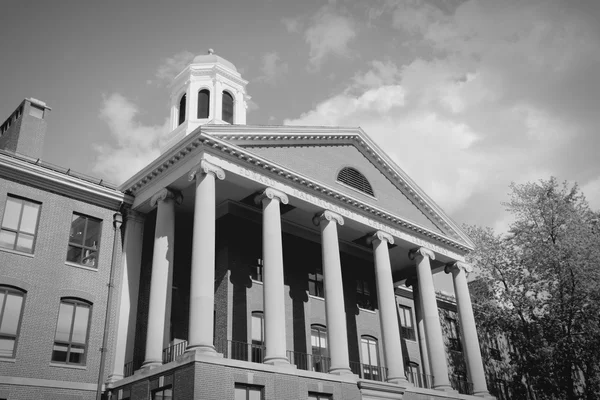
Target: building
(271, 262)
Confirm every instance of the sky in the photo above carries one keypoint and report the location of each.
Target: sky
(465, 96)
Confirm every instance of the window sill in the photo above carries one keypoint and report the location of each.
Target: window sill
(367, 310)
(8, 360)
(316, 297)
(70, 366)
(70, 264)
(20, 253)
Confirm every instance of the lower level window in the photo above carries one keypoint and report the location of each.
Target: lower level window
(161, 388)
(319, 396)
(247, 392)
(70, 341)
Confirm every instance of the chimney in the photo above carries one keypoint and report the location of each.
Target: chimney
(23, 132)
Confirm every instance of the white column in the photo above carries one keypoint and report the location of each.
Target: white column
(202, 281)
(388, 311)
(218, 96)
(130, 282)
(431, 319)
(273, 289)
(469, 339)
(162, 265)
(337, 337)
(425, 361)
(193, 101)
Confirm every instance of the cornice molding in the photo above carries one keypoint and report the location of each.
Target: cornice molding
(202, 140)
(164, 195)
(328, 216)
(381, 237)
(46, 179)
(270, 193)
(206, 168)
(421, 252)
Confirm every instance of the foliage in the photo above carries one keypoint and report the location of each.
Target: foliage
(538, 285)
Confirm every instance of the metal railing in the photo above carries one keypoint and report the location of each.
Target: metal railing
(128, 369)
(173, 351)
(370, 372)
(309, 362)
(243, 351)
(420, 380)
(461, 384)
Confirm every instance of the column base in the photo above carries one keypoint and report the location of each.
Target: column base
(401, 380)
(445, 388)
(112, 378)
(341, 371)
(278, 362)
(150, 364)
(203, 350)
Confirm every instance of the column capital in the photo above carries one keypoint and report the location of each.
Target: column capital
(421, 252)
(166, 194)
(380, 236)
(270, 193)
(457, 265)
(206, 168)
(329, 216)
(134, 216)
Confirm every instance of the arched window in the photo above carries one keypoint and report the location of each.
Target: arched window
(258, 337)
(370, 358)
(320, 353)
(11, 310)
(203, 103)
(227, 107)
(355, 179)
(182, 105)
(71, 338)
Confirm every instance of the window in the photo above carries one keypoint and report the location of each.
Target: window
(182, 105)
(247, 392)
(363, 295)
(123, 394)
(161, 388)
(407, 329)
(315, 282)
(203, 103)
(227, 107)
(258, 337)
(370, 358)
(84, 240)
(320, 354)
(70, 341)
(494, 347)
(256, 270)
(454, 338)
(19, 225)
(356, 180)
(319, 396)
(11, 309)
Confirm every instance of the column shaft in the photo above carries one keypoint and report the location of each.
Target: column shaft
(425, 361)
(431, 319)
(337, 337)
(388, 311)
(469, 338)
(202, 280)
(273, 287)
(162, 262)
(131, 264)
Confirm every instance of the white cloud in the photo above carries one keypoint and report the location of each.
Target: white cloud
(292, 25)
(328, 34)
(591, 190)
(272, 68)
(170, 67)
(135, 145)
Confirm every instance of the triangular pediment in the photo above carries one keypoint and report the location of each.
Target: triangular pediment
(319, 153)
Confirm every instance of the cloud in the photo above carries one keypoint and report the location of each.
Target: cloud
(272, 68)
(292, 25)
(170, 67)
(329, 34)
(135, 145)
(484, 94)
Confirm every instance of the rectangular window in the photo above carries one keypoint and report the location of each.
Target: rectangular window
(370, 358)
(258, 337)
(315, 282)
(247, 392)
(161, 388)
(364, 298)
(454, 338)
(19, 225)
(70, 341)
(319, 396)
(256, 270)
(84, 240)
(407, 329)
(11, 309)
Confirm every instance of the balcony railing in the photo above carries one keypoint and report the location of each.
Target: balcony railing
(420, 380)
(460, 383)
(173, 351)
(243, 351)
(370, 372)
(128, 369)
(309, 362)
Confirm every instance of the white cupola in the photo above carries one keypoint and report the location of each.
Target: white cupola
(208, 91)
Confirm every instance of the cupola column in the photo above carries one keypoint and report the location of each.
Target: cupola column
(162, 274)
(337, 337)
(388, 312)
(273, 287)
(202, 280)
(470, 341)
(431, 319)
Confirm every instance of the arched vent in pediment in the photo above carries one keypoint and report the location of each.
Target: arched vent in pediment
(356, 180)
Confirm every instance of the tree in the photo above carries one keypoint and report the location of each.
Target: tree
(538, 285)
